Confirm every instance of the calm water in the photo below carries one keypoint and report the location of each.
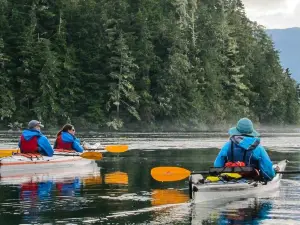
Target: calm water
(119, 189)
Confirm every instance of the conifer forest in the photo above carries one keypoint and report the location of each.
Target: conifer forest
(139, 64)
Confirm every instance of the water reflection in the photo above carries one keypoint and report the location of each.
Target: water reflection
(168, 196)
(61, 191)
(252, 213)
(43, 192)
(93, 180)
(116, 178)
(247, 211)
(31, 191)
(134, 197)
(69, 188)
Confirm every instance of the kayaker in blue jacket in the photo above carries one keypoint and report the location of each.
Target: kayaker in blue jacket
(33, 141)
(244, 146)
(66, 139)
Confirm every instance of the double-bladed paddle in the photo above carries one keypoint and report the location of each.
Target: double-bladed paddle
(86, 155)
(169, 173)
(116, 148)
(109, 148)
(8, 152)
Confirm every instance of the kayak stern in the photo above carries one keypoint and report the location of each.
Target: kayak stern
(200, 191)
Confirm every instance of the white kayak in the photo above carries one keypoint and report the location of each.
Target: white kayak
(23, 164)
(89, 171)
(230, 190)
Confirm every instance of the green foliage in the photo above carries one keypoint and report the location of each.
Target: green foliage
(7, 104)
(129, 64)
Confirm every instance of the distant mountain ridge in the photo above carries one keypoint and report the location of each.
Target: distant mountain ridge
(287, 41)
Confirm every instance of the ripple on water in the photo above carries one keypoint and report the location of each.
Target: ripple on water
(127, 197)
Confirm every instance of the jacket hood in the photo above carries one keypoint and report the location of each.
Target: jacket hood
(246, 142)
(67, 137)
(30, 133)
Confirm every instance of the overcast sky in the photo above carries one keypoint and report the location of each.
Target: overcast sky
(274, 13)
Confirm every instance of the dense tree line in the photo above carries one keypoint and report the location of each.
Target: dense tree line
(101, 63)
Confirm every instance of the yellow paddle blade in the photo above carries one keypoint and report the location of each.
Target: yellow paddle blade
(169, 173)
(116, 178)
(169, 196)
(8, 152)
(116, 148)
(92, 155)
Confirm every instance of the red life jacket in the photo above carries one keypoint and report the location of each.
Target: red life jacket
(29, 146)
(235, 164)
(60, 144)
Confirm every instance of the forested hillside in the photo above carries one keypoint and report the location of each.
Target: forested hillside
(141, 63)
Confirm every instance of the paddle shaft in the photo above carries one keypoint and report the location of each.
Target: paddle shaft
(289, 172)
(108, 148)
(66, 155)
(200, 172)
(96, 156)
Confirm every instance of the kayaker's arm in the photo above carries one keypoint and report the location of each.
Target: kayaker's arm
(76, 145)
(45, 145)
(265, 164)
(222, 156)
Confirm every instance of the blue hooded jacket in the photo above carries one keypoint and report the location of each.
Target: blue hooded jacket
(44, 145)
(255, 155)
(69, 138)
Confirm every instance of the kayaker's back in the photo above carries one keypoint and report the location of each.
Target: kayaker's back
(66, 139)
(29, 141)
(244, 146)
(33, 141)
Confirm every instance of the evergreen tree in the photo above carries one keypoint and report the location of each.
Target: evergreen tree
(125, 63)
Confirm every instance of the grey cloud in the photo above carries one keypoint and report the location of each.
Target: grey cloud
(263, 4)
(272, 13)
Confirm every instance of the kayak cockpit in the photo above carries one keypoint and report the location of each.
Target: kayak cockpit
(230, 182)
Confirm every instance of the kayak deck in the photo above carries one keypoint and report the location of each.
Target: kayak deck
(200, 192)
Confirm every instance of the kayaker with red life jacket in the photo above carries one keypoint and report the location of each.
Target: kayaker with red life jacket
(244, 149)
(33, 141)
(66, 139)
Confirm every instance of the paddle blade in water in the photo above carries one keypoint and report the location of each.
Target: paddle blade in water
(116, 148)
(169, 173)
(92, 155)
